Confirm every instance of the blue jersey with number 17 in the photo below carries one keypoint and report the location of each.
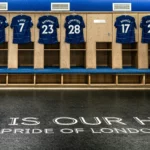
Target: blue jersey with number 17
(21, 25)
(74, 29)
(48, 29)
(125, 25)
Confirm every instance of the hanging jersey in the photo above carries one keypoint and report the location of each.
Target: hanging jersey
(74, 29)
(3, 25)
(48, 29)
(125, 29)
(145, 25)
(21, 25)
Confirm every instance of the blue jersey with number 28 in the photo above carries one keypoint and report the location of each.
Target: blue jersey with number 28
(125, 25)
(21, 25)
(74, 29)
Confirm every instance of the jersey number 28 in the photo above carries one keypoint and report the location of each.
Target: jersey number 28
(74, 29)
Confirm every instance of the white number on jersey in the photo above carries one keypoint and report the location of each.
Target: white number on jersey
(149, 27)
(125, 28)
(22, 25)
(45, 27)
(74, 29)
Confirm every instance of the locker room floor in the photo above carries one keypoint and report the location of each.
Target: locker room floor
(47, 105)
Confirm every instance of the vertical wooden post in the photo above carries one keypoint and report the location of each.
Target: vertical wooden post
(38, 48)
(64, 47)
(116, 48)
(12, 48)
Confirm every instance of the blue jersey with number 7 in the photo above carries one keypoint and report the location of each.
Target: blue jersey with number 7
(48, 29)
(74, 25)
(125, 25)
(21, 25)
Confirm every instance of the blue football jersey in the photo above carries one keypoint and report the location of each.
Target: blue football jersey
(21, 25)
(48, 29)
(145, 25)
(125, 25)
(3, 25)
(74, 25)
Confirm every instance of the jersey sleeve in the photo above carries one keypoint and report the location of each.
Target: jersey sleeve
(65, 25)
(12, 23)
(142, 23)
(5, 23)
(116, 23)
(82, 23)
(38, 25)
(31, 23)
(57, 23)
(134, 23)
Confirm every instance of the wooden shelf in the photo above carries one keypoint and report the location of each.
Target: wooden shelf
(129, 50)
(26, 49)
(104, 49)
(3, 49)
(52, 49)
(78, 49)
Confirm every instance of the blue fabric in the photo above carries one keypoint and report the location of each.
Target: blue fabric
(145, 25)
(48, 29)
(125, 25)
(3, 25)
(74, 25)
(21, 25)
(74, 70)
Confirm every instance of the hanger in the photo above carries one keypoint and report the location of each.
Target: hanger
(21, 12)
(74, 13)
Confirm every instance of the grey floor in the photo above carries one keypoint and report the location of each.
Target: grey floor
(47, 105)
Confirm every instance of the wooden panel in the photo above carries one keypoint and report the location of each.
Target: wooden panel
(64, 47)
(130, 79)
(48, 79)
(21, 79)
(38, 48)
(2, 79)
(143, 48)
(97, 33)
(75, 79)
(12, 48)
(103, 79)
(3, 58)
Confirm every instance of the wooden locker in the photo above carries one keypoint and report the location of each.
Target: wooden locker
(117, 54)
(65, 47)
(97, 32)
(143, 48)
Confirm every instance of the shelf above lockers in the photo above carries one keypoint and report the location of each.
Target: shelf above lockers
(103, 46)
(52, 46)
(130, 47)
(81, 46)
(27, 46)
